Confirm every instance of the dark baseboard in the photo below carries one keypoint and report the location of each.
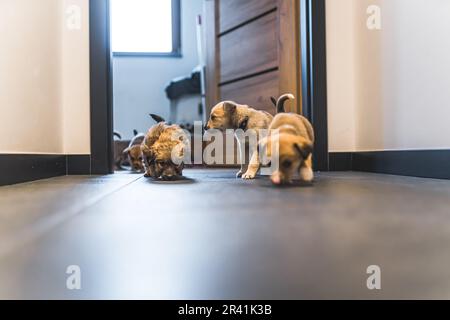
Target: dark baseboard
(78, 164)
(416, 163)
(340, 161)
(17, 168)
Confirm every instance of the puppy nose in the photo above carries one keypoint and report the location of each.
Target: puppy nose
(276, 179)
(168, 177)
(206, 127)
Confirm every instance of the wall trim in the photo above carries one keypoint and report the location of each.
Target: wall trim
(340, 161)
(415, 163)
(18, 168)
(79, 165)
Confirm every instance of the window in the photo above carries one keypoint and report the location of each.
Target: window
(145, 27)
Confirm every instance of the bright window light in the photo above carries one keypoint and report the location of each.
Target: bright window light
(141, 26)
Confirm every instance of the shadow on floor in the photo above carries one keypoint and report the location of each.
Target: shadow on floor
(181, 180)
(266, 183)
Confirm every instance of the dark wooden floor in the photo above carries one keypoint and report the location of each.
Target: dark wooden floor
(212, 236)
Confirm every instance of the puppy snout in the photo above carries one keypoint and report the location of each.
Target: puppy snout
(136, 166)
(168, 177)
(169, 173)
(206, 127)
(276, 179)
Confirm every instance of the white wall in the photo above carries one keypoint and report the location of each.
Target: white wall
(75, 95)
(139, 82)
(341, 72)
(30, 109)
(44, 88)
(388, 88)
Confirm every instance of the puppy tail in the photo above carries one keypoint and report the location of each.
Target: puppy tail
(281, 101)
(117, 135)
(158, 119)
(274, 101)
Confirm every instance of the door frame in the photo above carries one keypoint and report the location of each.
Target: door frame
(313, 75)
(101, 85)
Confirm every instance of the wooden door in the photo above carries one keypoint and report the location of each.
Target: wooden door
(252, 51)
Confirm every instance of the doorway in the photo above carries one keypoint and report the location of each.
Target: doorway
(157, 69)
(309, 52)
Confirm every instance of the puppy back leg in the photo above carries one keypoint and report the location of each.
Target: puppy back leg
(306, 171)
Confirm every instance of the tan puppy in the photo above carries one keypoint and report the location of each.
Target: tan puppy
(163, 150)
(294, 140)
(134, 153)
(231, 115)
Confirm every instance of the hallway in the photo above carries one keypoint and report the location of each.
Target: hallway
(212, 236)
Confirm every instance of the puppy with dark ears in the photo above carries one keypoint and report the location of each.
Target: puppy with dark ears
(291, 141)
(231, 115)
(134, 153)
(120, 158)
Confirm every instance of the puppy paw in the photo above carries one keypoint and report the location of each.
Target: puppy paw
(306, 174)
(248, 176)
(239, 174)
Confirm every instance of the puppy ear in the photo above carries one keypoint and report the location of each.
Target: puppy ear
(157, 118)
(153, 134)
(229, 107)
(146, 151)
(244, 123)
(127, 151)
(304, 148)
(135, 132)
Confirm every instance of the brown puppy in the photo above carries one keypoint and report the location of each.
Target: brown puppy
(230, 115)
(134, 153)
(120, 159)
(292, 143)
(163, 150)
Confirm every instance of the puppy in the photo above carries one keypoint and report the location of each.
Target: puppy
(293, 145)
(120, 159)
(164, 149)
(133, 152)
(230, 115)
